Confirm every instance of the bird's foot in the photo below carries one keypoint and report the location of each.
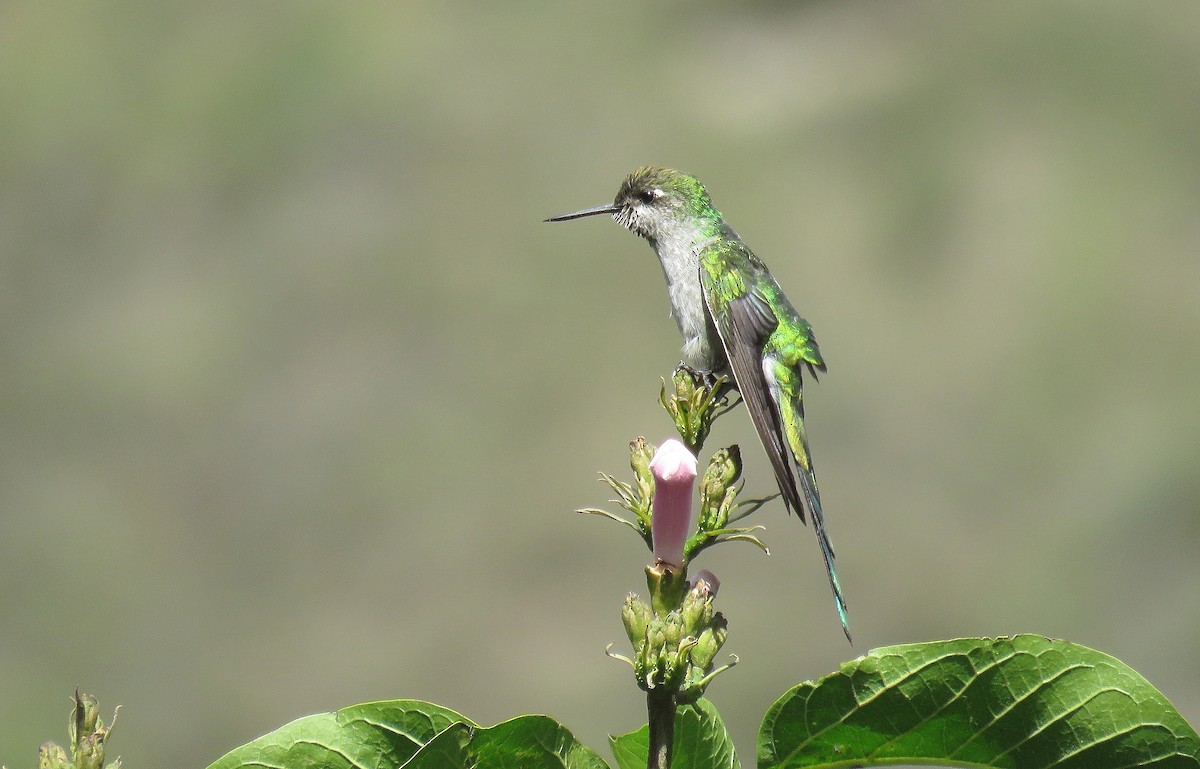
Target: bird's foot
(721, 385)
(706, 379)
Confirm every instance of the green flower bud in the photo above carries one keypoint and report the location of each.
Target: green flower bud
(697, 399)
(640, 454)
(85, 716)
(635, 614)
(656, 635)
(711, 639)
(717, 490)
(725, 467)
(91, 751)
(686, 383)
(696, 610)
(674, 630)
(648, 664)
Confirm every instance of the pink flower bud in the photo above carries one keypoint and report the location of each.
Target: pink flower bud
(708, 580)
(674, 469)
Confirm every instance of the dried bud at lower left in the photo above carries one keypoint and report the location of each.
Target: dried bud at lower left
(52, 756)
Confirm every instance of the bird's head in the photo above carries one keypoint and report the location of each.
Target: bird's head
(656, 203)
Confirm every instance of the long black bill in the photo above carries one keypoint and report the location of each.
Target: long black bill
(605, 209)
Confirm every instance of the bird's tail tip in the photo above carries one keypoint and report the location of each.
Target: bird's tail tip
(835, 585)
(841, 609)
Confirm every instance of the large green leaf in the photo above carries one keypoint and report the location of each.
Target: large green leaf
(1025, 702)
(701, 742)
(387, 735)
(529, 742)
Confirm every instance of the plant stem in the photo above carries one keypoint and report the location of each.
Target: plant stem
(660, 709)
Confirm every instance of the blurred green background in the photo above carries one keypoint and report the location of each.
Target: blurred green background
(297, 393)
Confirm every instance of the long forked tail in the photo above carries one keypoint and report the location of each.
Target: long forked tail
(791, 413)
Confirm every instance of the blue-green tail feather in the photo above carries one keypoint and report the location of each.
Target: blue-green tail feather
(809, 481)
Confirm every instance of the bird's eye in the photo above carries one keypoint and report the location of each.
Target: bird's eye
(649, 196)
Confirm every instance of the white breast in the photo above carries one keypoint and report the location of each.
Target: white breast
(681, 267)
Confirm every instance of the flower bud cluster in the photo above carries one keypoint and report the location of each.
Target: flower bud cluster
(88, 736)
(698, 399)
(676, 634)
(675, 651)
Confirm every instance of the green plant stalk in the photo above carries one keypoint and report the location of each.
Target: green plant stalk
(660, 713)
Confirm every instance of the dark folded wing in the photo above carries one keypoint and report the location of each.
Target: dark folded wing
(743, 331)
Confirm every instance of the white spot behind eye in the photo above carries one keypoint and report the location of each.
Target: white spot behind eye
(648, 196)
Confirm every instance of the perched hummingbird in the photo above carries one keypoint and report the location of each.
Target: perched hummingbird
(732, 315)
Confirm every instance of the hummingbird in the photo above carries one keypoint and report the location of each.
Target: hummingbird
(734, 318)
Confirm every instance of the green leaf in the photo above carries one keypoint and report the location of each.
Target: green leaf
(448, 750)
(701, 741)
(529, 742)
(420, 735)
(1026, 702)
(375, 734)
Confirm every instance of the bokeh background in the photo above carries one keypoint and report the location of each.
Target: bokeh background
(297, 393)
